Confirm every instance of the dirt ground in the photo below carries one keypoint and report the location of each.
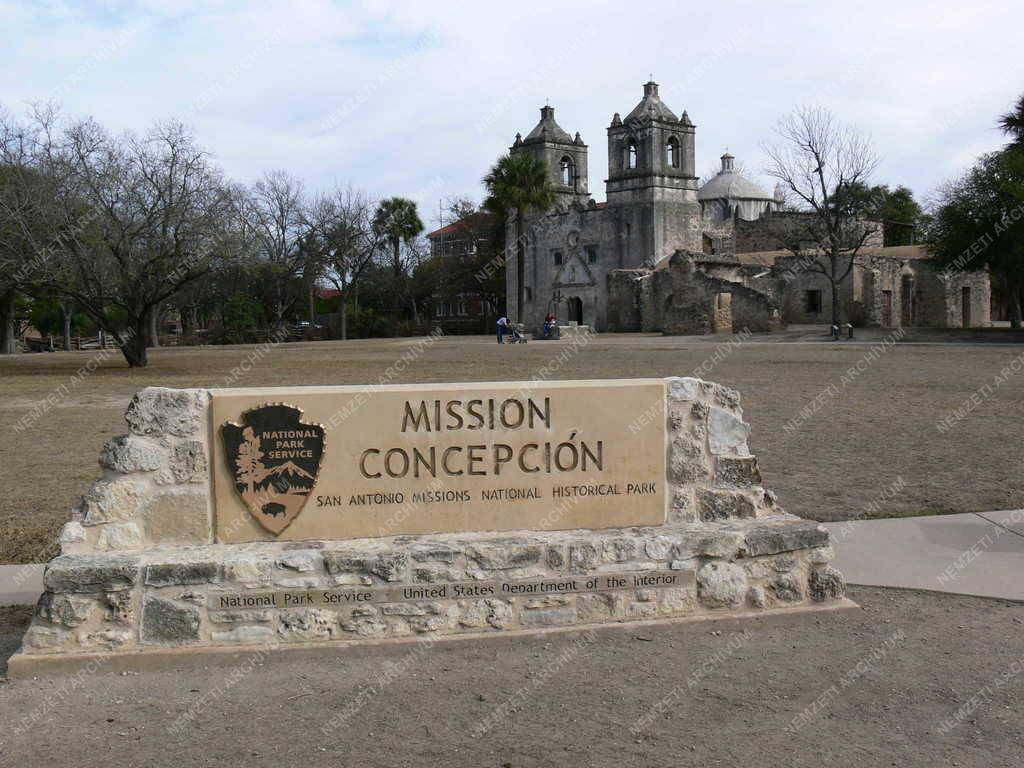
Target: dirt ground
(877, 427)
(891, 684)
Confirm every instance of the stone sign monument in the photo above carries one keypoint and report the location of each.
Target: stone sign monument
(294, 516)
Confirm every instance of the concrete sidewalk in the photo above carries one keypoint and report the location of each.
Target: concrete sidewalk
(969, 554)
(20, 584)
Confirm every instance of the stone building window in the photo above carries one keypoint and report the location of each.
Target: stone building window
(558, 258)
(812, 302)
(672, 152)
(567, 171)
(631, 153)
(591, 251)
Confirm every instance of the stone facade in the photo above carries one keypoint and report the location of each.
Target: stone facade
(888, 287)
(142, 566)
(651, 211)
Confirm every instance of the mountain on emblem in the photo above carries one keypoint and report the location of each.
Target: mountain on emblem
(274, 459)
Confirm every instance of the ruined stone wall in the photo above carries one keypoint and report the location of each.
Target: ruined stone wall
(624, 299)
(142, 567)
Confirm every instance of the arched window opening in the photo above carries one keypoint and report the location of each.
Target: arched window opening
(567, 172)
(672, 152)
(631, 154)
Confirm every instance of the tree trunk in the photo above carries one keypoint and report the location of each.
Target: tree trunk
(153, 331)
(833, 262)
(312, 304)
(133, 343)
(8, 338)
(835, 302)
(344, 316)
(397, 297)
(65, 312)
(520, 268)
(1014, 299)
(186, 322)
(415, 311)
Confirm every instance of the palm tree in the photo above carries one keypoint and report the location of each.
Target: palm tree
(397, 221)
(520, 183)
(1012, 124)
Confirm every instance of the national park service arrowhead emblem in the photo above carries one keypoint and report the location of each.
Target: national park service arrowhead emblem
(274, 459)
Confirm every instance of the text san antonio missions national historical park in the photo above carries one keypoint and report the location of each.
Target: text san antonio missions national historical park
(484, 459)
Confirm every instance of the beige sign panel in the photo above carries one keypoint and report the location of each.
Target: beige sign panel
(350, 462)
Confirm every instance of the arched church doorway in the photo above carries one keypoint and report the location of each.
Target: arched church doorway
(574, 308)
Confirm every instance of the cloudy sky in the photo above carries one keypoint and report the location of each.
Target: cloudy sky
(417, 98)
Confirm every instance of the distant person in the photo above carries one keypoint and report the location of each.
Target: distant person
(549, 323)
(503, 328)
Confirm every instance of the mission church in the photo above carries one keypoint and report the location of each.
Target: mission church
(666, 254)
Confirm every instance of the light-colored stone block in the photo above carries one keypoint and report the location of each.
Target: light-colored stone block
(178, 516)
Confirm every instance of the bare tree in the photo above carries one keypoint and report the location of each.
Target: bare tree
(28, 223)
(820, 163)
(274, 216)
(130, 220)
(342, 221)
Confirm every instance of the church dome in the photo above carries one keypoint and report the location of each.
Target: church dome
(729, 191)
(729, 184)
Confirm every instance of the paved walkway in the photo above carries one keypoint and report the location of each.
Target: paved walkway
(970, 554)
(20, 584)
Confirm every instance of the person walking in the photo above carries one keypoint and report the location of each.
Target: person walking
(503, 328)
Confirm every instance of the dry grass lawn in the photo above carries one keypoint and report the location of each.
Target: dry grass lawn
(877, 428)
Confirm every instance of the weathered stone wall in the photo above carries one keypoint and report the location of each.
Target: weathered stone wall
(918, 294)
(155, 484)
(685, 296)
(772, 231)
(141, 566)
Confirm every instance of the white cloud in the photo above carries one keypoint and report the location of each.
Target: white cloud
(418, 98)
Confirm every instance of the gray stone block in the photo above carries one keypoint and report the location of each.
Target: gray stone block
(164, 621)
(188, 462)
(769, 540)
(737, 472)
(163, 411)
(713, 505)
(181, 573)
(583, 557)
(724, 544)
(130, 453)
(727, 434)
(786, 589)
(387, 566)
(91, 573)
(826, 584)
(721, 584)
(66, 610)
(504, 554)
(110, 501)
(682, 388)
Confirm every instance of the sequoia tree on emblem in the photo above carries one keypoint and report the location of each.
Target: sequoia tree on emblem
(274, 458)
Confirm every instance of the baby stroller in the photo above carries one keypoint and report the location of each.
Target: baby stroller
(515, 337)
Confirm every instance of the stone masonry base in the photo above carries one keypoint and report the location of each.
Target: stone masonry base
(218, 596)
(186, 658)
